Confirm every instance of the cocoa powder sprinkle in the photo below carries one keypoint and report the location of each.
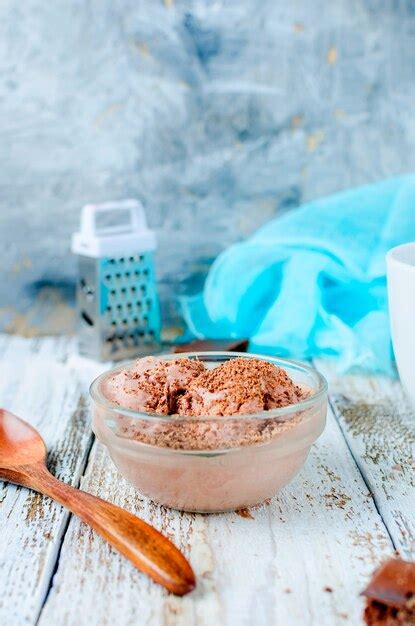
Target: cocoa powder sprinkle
(187, 391)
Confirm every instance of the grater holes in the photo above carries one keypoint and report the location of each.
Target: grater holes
(133, 289)
(144, 289)
(87, 289)
(141, 258)
(118, 275)
(127, 274)
(112, 261)
(132, 259)
(122, 260)
(151, 336)
(146, 271)
(87, 318)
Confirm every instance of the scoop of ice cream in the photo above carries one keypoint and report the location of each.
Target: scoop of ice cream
(152, 385)
(238, 386)
(187, 391)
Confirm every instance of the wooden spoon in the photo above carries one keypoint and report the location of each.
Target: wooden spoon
(23, 461)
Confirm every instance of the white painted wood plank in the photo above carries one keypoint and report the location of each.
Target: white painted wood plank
(322, 531)
(37, 384)
(379, 425)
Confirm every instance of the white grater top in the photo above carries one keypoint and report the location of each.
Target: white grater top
(126, 237)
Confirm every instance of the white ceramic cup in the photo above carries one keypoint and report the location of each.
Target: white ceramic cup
(400, 267)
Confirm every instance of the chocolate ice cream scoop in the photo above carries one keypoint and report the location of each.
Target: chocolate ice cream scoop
(390, 595)
(152, 384)
(238, 386)
(186, 390)
(185, 387)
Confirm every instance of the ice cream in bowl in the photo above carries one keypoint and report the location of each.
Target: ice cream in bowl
(209, 431)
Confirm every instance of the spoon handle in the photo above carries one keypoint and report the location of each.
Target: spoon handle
(149, 550)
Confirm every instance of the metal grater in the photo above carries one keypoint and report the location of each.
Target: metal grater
(117, 303)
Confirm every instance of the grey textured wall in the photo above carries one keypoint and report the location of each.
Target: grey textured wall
(217, 114)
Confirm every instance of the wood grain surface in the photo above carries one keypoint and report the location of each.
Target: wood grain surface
(379, 426)
(269, 565)
(301, 558)
(37, 384)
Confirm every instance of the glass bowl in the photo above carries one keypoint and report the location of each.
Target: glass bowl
(212, 464)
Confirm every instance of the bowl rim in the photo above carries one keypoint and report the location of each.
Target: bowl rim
(321, 389)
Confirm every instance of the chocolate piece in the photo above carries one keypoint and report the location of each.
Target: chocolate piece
(390, 595)
(213, 345)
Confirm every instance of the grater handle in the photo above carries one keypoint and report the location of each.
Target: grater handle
(137, 219)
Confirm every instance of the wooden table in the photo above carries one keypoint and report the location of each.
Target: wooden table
(301, 559)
